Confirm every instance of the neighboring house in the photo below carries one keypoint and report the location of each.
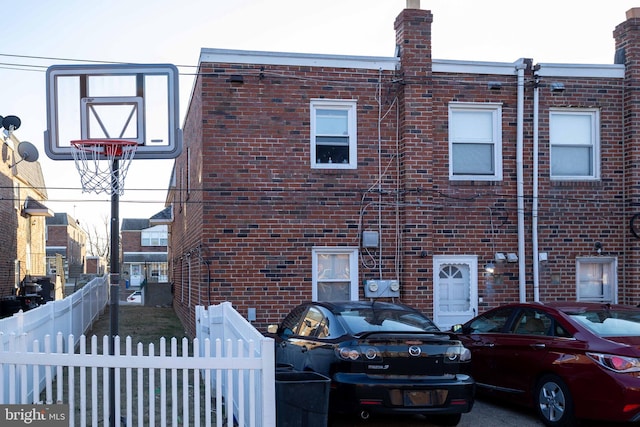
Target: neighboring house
(309, 176)
(96, 265)
(144, 251)
(66, 242)
(22, 218)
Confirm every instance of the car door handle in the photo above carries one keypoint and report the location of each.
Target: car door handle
(490, 345)
(537, 346)
(304, 349)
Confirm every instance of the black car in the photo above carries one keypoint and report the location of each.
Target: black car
(381, 358)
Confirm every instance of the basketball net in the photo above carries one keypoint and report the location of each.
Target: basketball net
(94, 161)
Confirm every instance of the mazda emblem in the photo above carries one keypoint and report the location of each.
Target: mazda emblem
(414, 350)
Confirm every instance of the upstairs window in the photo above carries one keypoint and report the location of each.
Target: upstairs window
(154, 236)
(574, 142)
(475, 141)
(333, 134)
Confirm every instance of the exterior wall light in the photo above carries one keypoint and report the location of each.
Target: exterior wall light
(490, 267)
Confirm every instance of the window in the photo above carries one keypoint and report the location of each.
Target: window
(475, 141)
(596, 279)
(492, 323)
(574, 143)
(333, 134)
(154, 236)
(532, 322)
(335, 274)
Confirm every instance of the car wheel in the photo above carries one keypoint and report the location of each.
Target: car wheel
(553, 402)
(446, 419)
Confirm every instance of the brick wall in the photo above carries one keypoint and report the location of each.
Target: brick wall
(249, 209)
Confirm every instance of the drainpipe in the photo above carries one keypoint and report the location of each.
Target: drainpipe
(534, 202)
(520, 67)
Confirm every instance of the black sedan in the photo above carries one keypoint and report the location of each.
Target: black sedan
(381, 358)
(568, 360)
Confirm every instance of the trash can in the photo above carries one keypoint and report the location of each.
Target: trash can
(302, 399)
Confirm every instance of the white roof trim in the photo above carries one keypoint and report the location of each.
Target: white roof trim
(474, 67)
(231, 56)
(297, 59)
(581, 70)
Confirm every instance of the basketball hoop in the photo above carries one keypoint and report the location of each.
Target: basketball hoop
(94, 159)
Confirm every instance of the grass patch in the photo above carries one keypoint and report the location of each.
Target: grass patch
(143, 324)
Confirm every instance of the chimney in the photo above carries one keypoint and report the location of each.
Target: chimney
(631, 13)
(413, 4)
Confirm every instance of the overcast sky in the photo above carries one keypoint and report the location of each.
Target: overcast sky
(37, 34)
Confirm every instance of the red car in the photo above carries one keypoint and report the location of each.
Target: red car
(568, 360)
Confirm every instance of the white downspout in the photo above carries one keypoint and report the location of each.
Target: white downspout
(521, 66)
(534, 202)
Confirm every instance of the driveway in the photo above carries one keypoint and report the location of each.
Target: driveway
(485, 413)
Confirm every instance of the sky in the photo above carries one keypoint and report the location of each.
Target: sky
(38, 34)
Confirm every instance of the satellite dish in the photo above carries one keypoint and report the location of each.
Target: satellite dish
(27, 151)
(11, 123)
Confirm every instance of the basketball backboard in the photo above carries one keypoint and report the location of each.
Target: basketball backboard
(131, 102)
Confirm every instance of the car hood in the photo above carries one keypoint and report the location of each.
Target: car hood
(630, 341)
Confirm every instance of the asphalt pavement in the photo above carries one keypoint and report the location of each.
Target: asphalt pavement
(485, 413)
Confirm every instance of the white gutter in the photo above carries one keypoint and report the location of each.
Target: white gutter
(534, 202)
(520, 67)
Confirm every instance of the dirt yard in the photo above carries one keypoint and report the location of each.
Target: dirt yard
(143, 324)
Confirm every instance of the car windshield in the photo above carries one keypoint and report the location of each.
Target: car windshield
(376, 320)
(610, 322)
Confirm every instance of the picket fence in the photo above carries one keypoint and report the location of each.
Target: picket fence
(224, 377)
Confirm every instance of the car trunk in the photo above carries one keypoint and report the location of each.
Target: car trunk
(410, 355)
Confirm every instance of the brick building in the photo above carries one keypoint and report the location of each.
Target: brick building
(310, 176)
(66, 244)
(22, 218)
(144, 251)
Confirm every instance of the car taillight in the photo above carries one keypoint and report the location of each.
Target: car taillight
(616, 363)
(354, 353)
(457, 353)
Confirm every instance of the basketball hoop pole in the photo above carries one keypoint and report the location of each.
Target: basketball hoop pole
(114, 288)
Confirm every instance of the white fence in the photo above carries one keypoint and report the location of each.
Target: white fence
(72, 315)
(236, 337)
(226, 377)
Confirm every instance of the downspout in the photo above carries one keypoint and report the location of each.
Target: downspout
(534, 202)
(520, 67)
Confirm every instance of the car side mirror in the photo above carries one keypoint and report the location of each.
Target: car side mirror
(456, 328)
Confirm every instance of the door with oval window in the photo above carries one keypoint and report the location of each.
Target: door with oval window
(455, 289)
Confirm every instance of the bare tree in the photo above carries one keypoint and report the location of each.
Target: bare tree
(99, 239)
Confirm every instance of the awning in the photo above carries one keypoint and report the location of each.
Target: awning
(35, 208)
(52, 252)
(146, 257)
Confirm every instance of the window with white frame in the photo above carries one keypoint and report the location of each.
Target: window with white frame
(574, 141)
(335, 274)
(475, 141)
(333, 134)
(596, 279)
(154, 236)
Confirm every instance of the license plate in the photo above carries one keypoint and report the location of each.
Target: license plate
(418, 398)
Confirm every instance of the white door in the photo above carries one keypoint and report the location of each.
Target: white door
(455, 289)
(136, 275)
